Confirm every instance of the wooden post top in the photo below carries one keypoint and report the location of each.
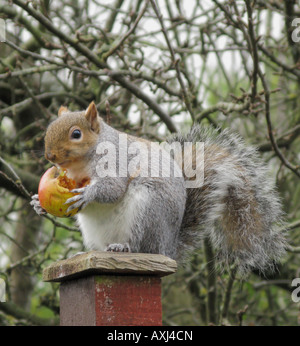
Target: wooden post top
(105, 263)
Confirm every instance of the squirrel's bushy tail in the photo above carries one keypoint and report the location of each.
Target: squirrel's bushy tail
(237, 208)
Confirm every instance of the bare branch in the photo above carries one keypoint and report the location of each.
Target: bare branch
(116, 45)
(81, 48)
(295, 169)
(175, 60)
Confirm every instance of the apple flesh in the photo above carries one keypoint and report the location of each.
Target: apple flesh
(54, 190)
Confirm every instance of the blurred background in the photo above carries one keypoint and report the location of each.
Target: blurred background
(157, 67)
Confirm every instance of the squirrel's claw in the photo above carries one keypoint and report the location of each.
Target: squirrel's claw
(118, 247)
(74, 206)
(73, 199)
(35, 202)
(78, 201)
(79, 190)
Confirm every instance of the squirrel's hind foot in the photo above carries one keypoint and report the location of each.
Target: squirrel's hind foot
(118, 247)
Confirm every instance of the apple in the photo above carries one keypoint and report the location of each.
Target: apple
(54, 190)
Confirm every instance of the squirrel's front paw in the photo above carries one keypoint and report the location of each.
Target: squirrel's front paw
(79, 201)
(35, 202)
(118, 248)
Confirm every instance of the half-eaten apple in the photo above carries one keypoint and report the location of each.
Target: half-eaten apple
(54, 190)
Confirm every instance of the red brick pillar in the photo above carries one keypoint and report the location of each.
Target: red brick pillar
(110, 289)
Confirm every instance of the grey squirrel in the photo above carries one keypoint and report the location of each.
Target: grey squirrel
(236, 207)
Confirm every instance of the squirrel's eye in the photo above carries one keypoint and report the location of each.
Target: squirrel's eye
(76, 134)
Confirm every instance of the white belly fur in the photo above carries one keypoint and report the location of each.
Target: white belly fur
(104, 224)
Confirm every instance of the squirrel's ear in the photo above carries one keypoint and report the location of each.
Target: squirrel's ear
(91, 116)
(62, 110)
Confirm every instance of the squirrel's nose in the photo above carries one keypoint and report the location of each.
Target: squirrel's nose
(50, 157)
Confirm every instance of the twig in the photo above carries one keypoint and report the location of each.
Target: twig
(293, 249)
(211, 282)
(17, 183)
(35, 99)
(228, 293)
(294, 169)
(292, 225)
(288, 68)
(51, 61)
(220, 62)
(253, 50)
(175, 60)
(241, 313)
(127, 34)
(60, 224)
(283, 140)
(271, 282)
(114, 11)
(225, 107)
(28, 257)
(108, 114)
(31, 70)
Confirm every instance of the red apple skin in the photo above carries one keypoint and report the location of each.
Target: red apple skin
(52, 196)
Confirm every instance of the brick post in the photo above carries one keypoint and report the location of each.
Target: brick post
(110, 289)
